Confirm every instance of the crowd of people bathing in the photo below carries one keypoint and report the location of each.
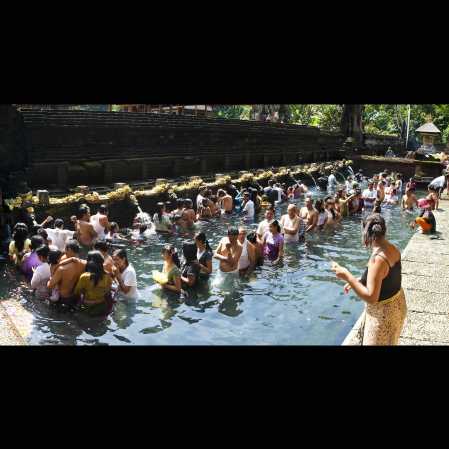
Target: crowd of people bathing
(86, 269)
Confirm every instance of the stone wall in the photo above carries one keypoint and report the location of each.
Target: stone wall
(79, 147)
(408, 167)
(69, 148)
(378, 144)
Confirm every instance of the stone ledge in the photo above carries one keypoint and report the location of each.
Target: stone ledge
(9, 334)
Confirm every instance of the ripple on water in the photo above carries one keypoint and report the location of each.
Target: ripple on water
(299, 302)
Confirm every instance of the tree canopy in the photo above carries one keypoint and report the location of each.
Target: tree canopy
(376, 118)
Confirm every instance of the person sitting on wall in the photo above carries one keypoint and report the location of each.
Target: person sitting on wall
(426, 220)
(390, 153)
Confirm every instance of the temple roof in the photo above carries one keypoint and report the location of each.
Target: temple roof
(428, 128)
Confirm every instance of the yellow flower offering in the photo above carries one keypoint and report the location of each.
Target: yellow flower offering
(160, 278)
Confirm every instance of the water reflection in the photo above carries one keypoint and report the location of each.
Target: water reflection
(297, 302)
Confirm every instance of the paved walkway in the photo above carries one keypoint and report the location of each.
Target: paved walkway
(9, 332)
(425, 279)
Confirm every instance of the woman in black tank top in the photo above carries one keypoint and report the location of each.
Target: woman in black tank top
(379, 286)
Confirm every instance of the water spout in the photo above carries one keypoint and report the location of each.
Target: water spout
(313, 179)
(344, 179)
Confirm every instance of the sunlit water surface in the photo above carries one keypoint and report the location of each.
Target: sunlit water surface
(298, 303)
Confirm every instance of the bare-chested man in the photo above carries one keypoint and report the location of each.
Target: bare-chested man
(188, 214)
(229, 251)
(381, 190)
(225, 201)
(310, 214)
(85, 232)
(67, 274)
(409, 200)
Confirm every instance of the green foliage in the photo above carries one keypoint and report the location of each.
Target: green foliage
(385, 119)
(234, 111)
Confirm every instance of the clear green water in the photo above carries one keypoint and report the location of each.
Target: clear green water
(299, 303)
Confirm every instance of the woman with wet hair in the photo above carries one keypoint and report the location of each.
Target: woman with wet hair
(190, 270)
(94, 286)
(204, 255)
(380, 286)
(171, 269)
(273, 242)
(20, 243)
(31, 260)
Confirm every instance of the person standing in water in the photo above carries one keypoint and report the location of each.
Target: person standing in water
(290, 224)
(273, 242)
(369, 195)
(229, 251)
(100, 222)
(20, 243)
(333, 216)
(31, 260)
(94, 287)
(332, 181)
(225, 202)
(309, 214)
(41, 274)
(84, 230)
(247, 259)
(264, 224)
(171, 269)
(204, 255)
(67, 274)
(125, 276)
(59, 235)
(409, 200)
(248, 206)
(189, 215)
(381, 190)
(380, 286)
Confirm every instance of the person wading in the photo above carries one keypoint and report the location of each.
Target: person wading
(84, 230)
(310, 214)
(380, 286)
(229, 251)
(67, 274)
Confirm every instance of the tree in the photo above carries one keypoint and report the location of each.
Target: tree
(351, 121)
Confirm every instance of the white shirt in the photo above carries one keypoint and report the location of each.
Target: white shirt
(332, 180)
(263, 227)
(279, 191)
(287, 221)
(249, 209)
(130, 280)
(59, 237)
(438, 182)
(199, 201)
(99, 229)
(369, 196)
(399, 185)
(244, 258)
(39, 280)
